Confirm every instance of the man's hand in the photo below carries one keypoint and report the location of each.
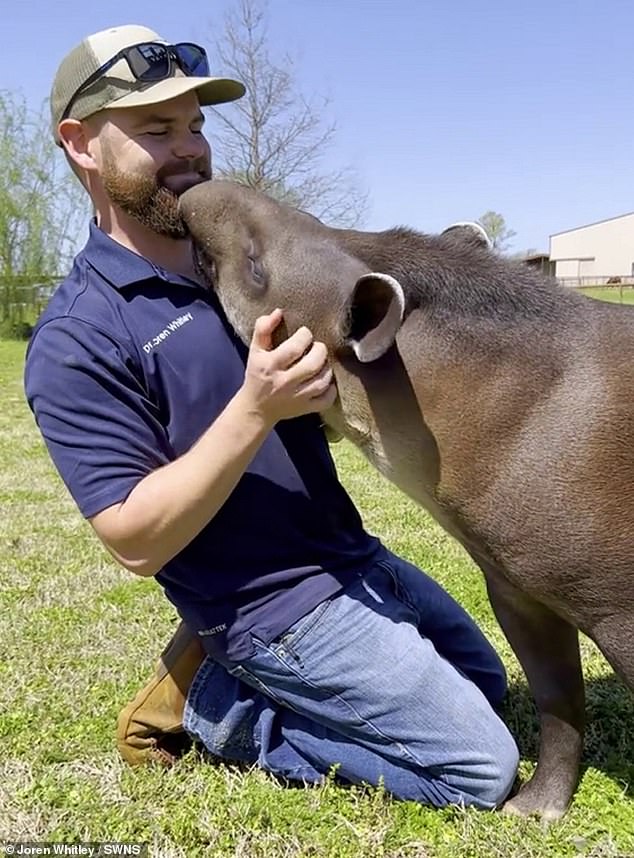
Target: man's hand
(290, 380)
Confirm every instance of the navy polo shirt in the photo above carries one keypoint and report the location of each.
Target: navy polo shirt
(126, 369)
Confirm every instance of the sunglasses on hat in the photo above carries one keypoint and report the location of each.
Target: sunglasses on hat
(150, 62)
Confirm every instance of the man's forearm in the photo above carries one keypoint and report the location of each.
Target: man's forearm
(170, 506)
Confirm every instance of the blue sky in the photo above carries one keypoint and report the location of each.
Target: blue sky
(447, 109)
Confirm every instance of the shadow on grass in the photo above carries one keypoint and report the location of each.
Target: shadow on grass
(609, 738)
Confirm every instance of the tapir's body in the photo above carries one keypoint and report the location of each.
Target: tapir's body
(494, 398)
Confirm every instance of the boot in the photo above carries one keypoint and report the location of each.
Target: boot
(150, 727)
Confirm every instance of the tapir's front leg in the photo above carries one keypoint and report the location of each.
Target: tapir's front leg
(548, 650)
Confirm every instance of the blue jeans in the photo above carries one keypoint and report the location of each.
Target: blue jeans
(389, 681)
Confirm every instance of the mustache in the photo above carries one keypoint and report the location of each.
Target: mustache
(176, 168)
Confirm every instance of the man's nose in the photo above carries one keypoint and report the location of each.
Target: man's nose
(189, 145)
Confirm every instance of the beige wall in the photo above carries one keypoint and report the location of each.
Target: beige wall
(603, 249)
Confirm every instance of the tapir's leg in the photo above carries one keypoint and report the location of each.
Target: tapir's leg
(614, 636)
(548, 650)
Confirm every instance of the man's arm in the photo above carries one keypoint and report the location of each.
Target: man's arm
(170, 506)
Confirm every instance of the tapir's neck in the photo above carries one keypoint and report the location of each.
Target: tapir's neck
(424, 414)
(378, 410)
(459, 278)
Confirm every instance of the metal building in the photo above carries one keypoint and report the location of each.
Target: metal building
(598, 253)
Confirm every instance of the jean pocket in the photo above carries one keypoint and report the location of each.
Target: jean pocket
(270, 661)
(304, 638)
(287, 647)
(250, 675)
(401, 592)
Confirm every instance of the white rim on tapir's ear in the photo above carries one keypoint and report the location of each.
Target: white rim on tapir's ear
(475, 227)
(377, 341)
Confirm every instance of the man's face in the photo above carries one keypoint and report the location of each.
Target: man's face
(149, 156)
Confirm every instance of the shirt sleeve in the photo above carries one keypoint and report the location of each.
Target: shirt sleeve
(99, 423)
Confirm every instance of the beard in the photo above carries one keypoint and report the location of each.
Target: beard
(147, 198)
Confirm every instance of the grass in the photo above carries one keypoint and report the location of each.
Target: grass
(78, 637)
(614, 294)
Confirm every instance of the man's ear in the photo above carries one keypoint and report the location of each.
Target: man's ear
(74, 139)
(375, 313)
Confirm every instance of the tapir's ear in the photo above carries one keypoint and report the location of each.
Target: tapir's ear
(375, 313)
(472, 230)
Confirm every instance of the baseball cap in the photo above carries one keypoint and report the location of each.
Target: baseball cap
(118, 86)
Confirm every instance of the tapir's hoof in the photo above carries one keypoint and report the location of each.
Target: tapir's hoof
(529, 803)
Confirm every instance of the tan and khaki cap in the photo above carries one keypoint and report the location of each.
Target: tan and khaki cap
(118, 87)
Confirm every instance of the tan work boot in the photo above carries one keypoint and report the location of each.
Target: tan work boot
(150, 727)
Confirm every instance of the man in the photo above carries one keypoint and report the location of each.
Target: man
(204, 465)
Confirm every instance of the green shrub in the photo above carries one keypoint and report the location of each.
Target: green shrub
(15, 329)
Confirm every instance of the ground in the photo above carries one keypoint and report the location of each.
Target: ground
(78, 636)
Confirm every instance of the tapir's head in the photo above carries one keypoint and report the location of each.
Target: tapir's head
(259, 254)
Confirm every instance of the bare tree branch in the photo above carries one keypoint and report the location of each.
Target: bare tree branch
(274, 138)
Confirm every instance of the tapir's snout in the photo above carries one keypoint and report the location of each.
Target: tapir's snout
(207, 200)
(218, 215)
(192, 202)
(201, 211)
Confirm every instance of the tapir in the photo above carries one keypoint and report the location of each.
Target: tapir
(498, 400)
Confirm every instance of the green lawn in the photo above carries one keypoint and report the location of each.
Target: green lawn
(78, 637)
(610, 293)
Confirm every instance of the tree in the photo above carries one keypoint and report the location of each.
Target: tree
(41, 205)
(274, 139)
(497, 230)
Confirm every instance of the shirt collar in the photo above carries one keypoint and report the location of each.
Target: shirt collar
(121, 266)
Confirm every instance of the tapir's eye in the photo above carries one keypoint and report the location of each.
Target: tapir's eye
(257, 272)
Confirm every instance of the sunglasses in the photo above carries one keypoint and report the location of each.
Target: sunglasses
(150, 62)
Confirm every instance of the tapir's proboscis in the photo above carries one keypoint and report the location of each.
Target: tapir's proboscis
(495, 398)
